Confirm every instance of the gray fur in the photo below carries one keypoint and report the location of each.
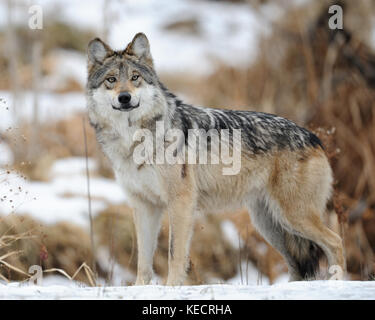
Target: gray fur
(301, 255)
(261, 132)
(97, 51)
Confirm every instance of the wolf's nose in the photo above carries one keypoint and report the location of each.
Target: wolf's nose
(124, 97)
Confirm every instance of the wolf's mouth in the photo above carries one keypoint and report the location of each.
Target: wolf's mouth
(125, 107)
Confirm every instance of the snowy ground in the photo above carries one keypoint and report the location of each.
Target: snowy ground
(66, 193)
(315, 290)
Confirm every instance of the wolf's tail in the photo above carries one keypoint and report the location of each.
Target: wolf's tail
(305, 255)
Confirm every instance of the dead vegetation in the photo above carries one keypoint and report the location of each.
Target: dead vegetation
(66, 248)
(61, 248)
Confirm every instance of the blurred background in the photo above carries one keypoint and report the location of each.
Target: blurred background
(60, 207)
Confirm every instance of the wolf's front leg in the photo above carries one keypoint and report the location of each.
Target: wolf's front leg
(181, 222)
(147, 220)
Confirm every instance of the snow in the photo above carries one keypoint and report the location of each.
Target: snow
(52, 106)
(72, 166)
(119, 275)
(220, 37)
(67, 65)
(314, 290)
(6, 155)
(63, 198)
(230, 233)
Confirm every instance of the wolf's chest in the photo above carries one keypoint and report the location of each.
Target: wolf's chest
(134, 178)
(115, 147)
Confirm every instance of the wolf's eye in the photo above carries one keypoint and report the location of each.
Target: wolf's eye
(111, 79)
(135, 77)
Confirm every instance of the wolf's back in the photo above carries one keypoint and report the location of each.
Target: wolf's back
(260, 132)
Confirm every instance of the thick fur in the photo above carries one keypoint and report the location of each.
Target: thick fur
(284, 180)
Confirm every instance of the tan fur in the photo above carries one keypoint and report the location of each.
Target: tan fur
(299, 183)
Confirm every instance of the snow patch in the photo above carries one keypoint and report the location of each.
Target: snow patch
(64, 198)
(6, 155)
(52, 107)
(230, 233)
(222, 31)
(314, 290)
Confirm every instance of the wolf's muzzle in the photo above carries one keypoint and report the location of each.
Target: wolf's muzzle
(125, 107)
(124, 98)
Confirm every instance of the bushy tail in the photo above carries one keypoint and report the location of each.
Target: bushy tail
(305, 254)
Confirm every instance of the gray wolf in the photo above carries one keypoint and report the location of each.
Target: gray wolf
(284, 181)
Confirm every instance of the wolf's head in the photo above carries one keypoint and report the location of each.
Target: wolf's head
(124, 81)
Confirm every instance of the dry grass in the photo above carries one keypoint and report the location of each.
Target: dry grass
(66, 249)
(6, 242)
(62, 248)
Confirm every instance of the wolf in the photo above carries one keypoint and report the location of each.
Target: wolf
(285, 179)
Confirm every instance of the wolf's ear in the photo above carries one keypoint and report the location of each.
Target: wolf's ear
(140, 48)
(97, 51)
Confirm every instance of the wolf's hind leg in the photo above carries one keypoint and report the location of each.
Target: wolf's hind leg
(147, 220)
(311, 227)
(301, 256)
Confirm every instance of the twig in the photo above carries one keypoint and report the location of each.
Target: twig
(89, 274)
(89, 197)
(11, 266)
(240, 256)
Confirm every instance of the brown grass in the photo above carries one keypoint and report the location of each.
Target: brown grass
(63, 248)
